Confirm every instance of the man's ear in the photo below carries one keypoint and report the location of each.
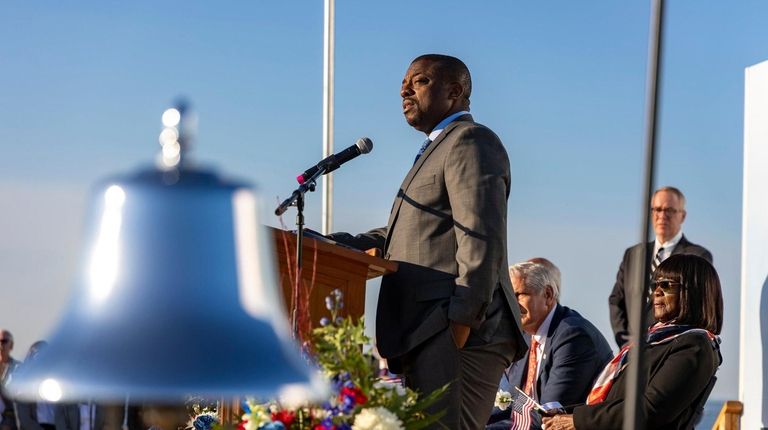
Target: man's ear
(684, 214)
(549, 293)
(455, 91)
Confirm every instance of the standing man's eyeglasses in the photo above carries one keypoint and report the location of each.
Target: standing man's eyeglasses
(667, 211)
(4, 341)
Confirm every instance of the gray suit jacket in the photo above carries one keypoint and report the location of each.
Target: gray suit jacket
(447, 230)
(617, 301)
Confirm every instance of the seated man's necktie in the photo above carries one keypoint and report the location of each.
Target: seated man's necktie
(530, 380)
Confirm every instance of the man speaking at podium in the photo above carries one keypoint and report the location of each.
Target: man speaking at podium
(448, 315)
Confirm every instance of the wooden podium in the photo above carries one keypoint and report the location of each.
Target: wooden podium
(326, 267)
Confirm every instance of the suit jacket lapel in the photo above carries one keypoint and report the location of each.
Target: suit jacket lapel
(512, 376)
(414, 170)
(681, 246)
(556, 318)
(518, 371)
(548, 344)
(520, 367)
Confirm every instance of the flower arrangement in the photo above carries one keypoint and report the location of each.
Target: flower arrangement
(360, 400)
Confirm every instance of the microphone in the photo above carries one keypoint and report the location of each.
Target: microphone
(363, 145)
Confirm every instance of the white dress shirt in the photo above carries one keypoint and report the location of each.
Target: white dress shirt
(541, 338)
(444, 123)
(669, 246)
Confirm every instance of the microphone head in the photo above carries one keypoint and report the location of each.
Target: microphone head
(364, 144)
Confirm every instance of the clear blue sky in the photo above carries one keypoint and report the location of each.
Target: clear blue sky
(561, 82)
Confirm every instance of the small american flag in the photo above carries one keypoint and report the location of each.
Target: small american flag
(522, 408)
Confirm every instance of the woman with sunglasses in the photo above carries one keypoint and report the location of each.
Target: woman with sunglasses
(682, 354)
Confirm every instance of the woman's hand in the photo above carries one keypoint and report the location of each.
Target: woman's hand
(558, 422)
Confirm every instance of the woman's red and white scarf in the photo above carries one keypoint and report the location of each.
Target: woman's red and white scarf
(658, 334)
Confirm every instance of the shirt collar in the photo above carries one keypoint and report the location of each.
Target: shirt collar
(444, 123)
(668, 245)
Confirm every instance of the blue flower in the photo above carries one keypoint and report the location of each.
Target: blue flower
(204, 422)
(324, 321)
(348, 404)
(327, 422)
(276, 425)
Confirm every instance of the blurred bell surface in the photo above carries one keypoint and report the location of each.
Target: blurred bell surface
(177, 296)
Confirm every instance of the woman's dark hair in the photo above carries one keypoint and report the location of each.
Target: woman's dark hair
(701, 298)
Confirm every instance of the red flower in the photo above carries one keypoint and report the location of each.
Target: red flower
(285, 417)
(354, 393)
(241, 425)
(322, 427)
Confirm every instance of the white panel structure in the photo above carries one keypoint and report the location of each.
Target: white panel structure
(753, 369)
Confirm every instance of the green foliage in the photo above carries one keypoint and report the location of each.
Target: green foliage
(339, 349)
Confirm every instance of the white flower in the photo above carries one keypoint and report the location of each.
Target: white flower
(503, 400)
(395, 386)
(258, 416)
(248, 424)
(378, 418)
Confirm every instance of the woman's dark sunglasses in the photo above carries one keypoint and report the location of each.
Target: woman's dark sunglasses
(667, 285)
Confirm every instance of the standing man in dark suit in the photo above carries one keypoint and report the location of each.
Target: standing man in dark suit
(448, 315)
(668, 212)
(566, 351)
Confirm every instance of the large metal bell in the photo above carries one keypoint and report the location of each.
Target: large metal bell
(176, 297)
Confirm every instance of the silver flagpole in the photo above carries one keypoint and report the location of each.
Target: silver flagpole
(634, 412)
(328, 54)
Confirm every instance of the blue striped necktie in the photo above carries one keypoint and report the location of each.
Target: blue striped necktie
(657, 259)
(422, 149)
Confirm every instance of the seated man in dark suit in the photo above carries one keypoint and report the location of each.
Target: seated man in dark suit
(566, 351)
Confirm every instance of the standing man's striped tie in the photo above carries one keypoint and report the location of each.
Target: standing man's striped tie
(657, 260)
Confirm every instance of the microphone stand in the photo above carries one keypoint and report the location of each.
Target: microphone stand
(297, 199)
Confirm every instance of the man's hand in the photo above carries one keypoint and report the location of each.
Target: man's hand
(558, 422)
(460, 334)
